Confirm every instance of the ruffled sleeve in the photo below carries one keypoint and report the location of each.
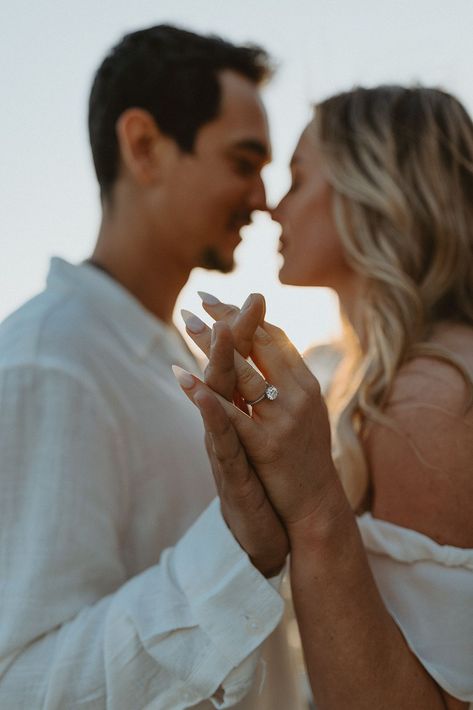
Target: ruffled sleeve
(428, 590)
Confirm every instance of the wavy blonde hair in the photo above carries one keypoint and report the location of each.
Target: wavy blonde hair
(400, 161)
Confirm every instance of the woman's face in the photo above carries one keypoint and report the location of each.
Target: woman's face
(309, 243)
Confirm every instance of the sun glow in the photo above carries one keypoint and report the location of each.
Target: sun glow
(50, 201)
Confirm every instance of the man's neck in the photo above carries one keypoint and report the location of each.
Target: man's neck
(155, 283)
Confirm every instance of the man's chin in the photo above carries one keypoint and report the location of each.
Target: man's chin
(213, 260)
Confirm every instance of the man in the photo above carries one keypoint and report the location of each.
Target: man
(112, 594)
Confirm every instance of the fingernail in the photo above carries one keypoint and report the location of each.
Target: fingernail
(247, 302)
(185, 379)
(193, 322)
(208, 299)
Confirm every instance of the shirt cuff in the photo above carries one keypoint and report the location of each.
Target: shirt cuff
(233, 603)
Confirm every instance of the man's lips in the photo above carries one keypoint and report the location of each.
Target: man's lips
(240, 220)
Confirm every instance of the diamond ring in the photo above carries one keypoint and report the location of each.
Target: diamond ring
(271, 392)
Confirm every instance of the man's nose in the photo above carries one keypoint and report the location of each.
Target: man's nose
(258, 196)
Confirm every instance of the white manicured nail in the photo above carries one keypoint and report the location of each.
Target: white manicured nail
(208, 299)
(193, 322)
(185, 379)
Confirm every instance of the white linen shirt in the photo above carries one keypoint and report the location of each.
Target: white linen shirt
(106, 601)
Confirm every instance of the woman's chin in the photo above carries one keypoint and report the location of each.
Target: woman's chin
(283, 275)
(289, 279)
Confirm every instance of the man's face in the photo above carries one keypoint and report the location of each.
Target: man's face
(209, 194)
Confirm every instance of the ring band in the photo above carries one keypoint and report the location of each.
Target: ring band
(271, 392)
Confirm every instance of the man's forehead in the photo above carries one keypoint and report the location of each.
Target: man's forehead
(240, 98)
(241, 123)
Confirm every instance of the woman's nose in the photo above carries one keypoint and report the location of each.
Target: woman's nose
(276, 212)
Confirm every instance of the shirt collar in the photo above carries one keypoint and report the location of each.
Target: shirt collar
(123, 313)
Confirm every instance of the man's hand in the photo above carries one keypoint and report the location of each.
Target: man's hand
(245, 506)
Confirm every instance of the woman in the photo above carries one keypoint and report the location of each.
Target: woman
(381, 210)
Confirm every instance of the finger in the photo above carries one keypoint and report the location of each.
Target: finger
(249, 382)
(191, 386)
(246, 322)
(270, 339)
(213, 462)
(243, 322)
(220, 372)
(226, 452)
(272, 351)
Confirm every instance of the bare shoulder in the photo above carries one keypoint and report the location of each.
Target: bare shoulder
(420, 464)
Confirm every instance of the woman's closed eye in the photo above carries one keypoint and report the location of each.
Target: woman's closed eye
(295, 183)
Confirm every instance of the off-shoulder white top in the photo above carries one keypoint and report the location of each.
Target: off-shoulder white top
(428, 590)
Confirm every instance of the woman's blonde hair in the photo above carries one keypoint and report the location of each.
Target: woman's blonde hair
(400, 161)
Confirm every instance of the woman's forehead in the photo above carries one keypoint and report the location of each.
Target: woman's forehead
(306, 149)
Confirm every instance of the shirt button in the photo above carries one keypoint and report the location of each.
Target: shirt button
(186, 696)
(252, 625)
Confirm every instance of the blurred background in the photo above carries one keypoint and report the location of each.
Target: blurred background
(50, 48)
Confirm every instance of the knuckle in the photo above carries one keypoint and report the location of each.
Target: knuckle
(303, 403)
(247, 376)
(225, 429)
(228, 458)
(279, 333)
(238, 493)
(286, 427)
(313, 387)
(243, 343)
(262, 337)
(276, 333)
(229, 312)
(217, 377)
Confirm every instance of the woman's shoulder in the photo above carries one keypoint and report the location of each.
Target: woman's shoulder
(438, 378)
(420, 461)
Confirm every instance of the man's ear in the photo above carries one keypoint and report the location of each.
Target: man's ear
(140, 143)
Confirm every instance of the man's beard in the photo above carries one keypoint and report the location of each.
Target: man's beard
(212, 260)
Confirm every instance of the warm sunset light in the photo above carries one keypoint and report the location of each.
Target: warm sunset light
(50, 49)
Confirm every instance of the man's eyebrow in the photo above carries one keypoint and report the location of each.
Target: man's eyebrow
(253, 145)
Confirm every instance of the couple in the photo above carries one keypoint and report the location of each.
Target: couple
(124, 585)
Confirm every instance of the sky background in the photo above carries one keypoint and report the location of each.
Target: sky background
(49, 50)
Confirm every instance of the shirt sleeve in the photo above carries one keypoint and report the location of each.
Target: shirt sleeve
(428, 590)
(74, 631)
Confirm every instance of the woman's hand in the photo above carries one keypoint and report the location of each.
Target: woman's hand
(286, 441)
(243, 501)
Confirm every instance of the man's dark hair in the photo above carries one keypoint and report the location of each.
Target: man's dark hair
(173, 74)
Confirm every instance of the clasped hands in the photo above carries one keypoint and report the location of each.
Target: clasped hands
(272, 464)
